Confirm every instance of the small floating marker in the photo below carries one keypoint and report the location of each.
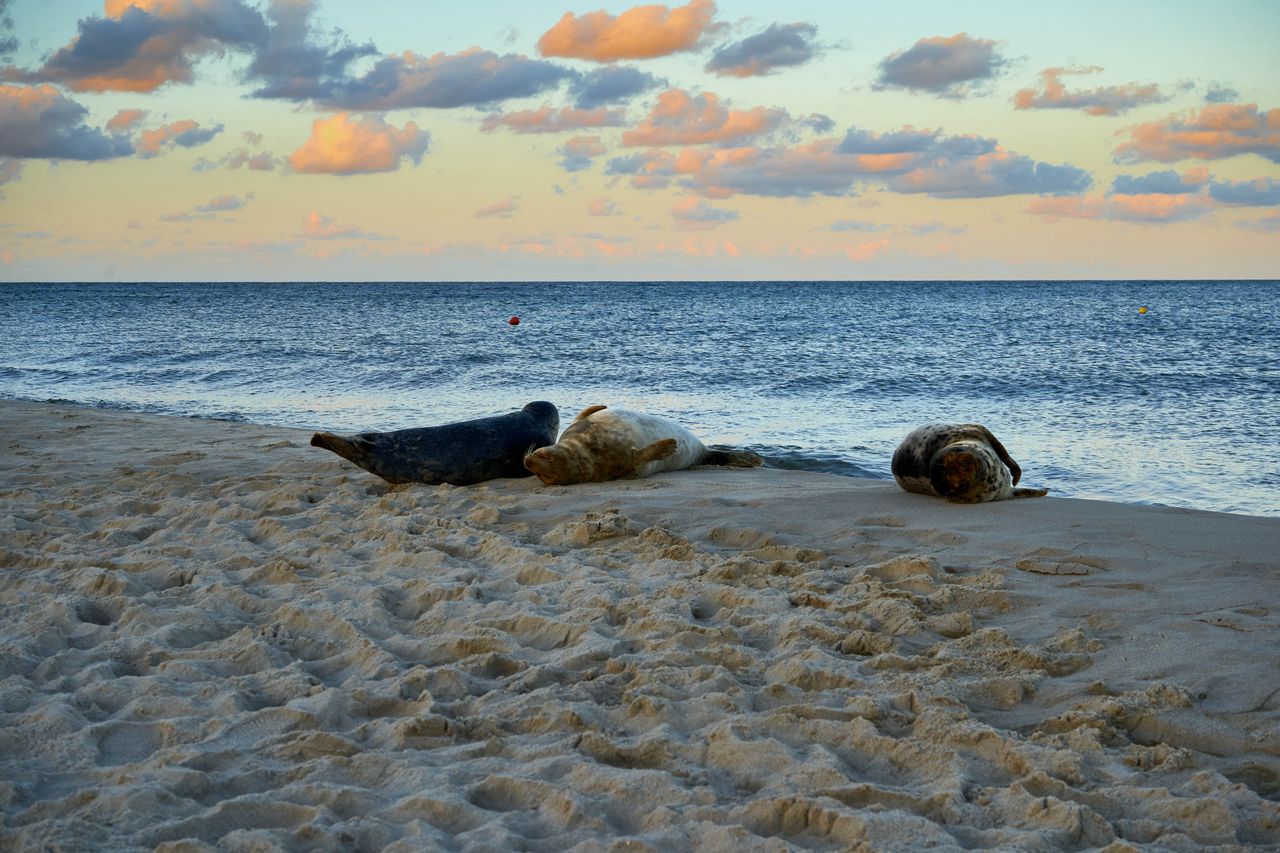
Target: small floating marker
(1142, 309)
(515, 321)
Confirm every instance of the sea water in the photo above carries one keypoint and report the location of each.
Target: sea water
(1177, 405)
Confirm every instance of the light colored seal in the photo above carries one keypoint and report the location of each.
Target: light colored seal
(614, 444)
(459, 453)
(964, 463)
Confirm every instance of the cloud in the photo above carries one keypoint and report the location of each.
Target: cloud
(602, 207)
(1257, 192)
(679, 118)
(856, 225)
(1220, 93)
(944, 66)
(1167, 182)
(224, 203)
(610, 85)
(818, 123)
(1267, 224)
(143, 44)
(186, 133)
(293, 63)
(123, 121)
(904, 161)
(1213, 132)
(924, 229)
(997, 173)
(779, 46)
(470, 78)
(40, 122)
(218, 204)
(8, 43)
(1161, 197)
(867, 251)
(263, 161)
(503, 208)
(641, 32)
(320, 227)
(1150, 208)
(693, 213)
(1102, 101)
(340, 146)
(547, 120)
(10, 170)
(580, 152)
(251, 137)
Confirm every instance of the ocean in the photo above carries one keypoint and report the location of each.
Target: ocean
(1179, 405)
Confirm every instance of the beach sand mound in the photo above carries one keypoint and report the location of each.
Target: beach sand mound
(215, 637)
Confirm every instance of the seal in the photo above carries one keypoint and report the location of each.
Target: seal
(614, 444)
(964, 463)
(459, 453)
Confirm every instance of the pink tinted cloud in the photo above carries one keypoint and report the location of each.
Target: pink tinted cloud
(503, 208)
(1143, 207)
(867, 251)
(547, 120)
(1100, 101)
(641, 32)
(583, 146)
(125, 120)
(320, 227)
(679, 118)
(340, 145)
(1213, 132)
(186, 133)
(693, 213)
(602, 207)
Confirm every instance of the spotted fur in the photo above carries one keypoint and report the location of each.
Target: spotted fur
(613, 444)
(963, 463)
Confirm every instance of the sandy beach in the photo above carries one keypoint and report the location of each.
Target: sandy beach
(217, 637)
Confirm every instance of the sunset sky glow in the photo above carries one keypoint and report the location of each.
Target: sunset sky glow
(504, 140)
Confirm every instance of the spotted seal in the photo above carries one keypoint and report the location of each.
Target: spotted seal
(459, 453)
(612, 444)
(964, 463)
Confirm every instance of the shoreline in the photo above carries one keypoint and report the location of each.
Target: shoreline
(215, 634)
(239, 419)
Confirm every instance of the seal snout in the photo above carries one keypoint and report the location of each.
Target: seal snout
(542, 463)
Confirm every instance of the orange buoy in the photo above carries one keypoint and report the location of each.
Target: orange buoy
(1142, 309)
(514, 321)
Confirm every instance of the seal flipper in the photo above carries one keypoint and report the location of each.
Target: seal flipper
(1002, 453)
(1024, 492)
(658, 450)
(588, 412)
(734, 458)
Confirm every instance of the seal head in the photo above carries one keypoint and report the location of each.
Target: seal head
(963, 463)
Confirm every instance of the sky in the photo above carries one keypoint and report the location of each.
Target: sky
(232, 140)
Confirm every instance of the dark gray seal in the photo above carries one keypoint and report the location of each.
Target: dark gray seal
(460, 453)
(964, 463)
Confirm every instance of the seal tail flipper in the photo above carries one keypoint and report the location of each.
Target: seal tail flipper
(1024, 492)
(588, 412)
(734, 458)
(658, 450)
